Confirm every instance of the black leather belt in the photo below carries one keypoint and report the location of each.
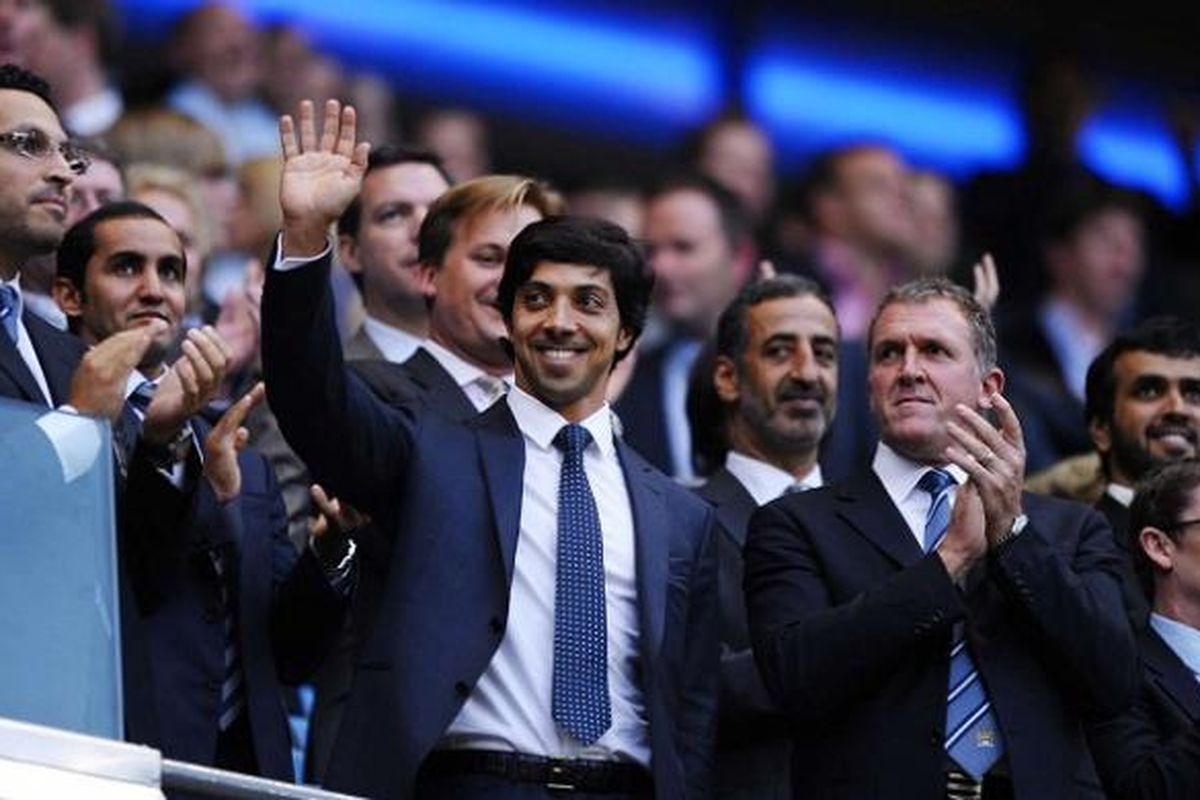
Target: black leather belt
(561, 774)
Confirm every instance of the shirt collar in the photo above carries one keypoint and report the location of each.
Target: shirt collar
(1122, 494)
(15, 285)
(396, 344)
(765, 481)
(540, 423)
(900, 474)
(462, 371)
(1184, 640)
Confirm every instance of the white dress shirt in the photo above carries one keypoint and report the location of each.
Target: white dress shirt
(1122, 494)
(25, 344)
(509, 708)
(1184, 640)
(764, 481)
(1075, 345)
(676, 370)
(899, 476)
(396, 344)
(481, 388)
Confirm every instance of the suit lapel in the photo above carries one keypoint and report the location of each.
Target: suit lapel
(731, 502)
(651, 528)
(15, 367)
(502, 452)
(58, 354)
(866, 506)
(1170, 674)
(432, 377)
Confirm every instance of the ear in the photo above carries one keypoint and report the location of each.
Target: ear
(725, 380)
(1158, 547)
(427, 273)
(624, 340)
(68, 296)
(348, 254)
(1101, 433)
(992, 382)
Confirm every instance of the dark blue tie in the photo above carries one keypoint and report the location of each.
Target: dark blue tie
(972, 731)
(579, 699)
(10, 310)
(233, 694)
(142, 396)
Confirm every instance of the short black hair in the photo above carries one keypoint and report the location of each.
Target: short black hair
(735, 221)
(1075, 201)
(1159, 503)
(79, 243)
(733, 329)
(581, 240)
(383, 156)
(22, 80)
(1163, 336)
(824, 174)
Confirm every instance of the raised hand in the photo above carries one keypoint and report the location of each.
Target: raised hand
(99, 383)
(224, 442)
(995, 460)
(334, 518)
(320, 176)
(188, 385)
(987, 282)
(965, 541)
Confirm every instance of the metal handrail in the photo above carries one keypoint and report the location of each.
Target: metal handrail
(211, 782)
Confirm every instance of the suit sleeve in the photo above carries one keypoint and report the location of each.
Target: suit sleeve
(817, 656)
(1137, 761)
(1074, 604)
(354, 445)
(698, 720)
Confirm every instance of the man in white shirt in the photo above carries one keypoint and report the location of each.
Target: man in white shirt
(548, 618)
(929, 629)
(1143, 411)
(1153, 749)
(775, 378)
(377, 243)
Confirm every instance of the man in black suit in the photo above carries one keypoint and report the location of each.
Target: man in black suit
(700, 245)
(775, 378)
(377, 243)
(206, 560)
(1143, 411)
(1153, 749)
(548, 619)
(929, 629)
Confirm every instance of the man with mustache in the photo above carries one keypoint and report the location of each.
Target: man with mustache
(1143, 411)
(928, 629)
(775, 377)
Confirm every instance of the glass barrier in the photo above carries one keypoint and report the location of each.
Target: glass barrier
(60, 646)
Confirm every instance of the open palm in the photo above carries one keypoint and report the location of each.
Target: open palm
(321, 176)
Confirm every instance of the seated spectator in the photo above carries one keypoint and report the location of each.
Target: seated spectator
(1153, 749)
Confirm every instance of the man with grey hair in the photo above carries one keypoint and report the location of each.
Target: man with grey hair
(928, 628)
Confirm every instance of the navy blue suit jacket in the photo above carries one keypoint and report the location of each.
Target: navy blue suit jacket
(173, 637)
(449, 495)
(58, 354)
(852, 624)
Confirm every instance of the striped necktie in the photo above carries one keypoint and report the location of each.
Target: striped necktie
(579, 695)
(10, 310)
(233, 693)
(973, 737)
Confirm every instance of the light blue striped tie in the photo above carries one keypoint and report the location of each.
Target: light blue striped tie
(10, 310)
(972, 732)
(233, 693)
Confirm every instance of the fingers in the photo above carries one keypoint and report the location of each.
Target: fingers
(287, 137)
(233, 418)
(308, 130)
(969, 420)
(328, 506)
(987, 282)
(1010, 424)
(346, 137)
(329, 126)
(766, 269)
(358, 159)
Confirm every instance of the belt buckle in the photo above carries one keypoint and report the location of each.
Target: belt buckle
(560, 775)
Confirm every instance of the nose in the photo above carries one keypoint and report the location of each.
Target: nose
(59, 171)
(561, 317)
(150, 289)
(804, 364)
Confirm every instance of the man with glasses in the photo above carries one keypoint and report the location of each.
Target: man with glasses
(1153, 749)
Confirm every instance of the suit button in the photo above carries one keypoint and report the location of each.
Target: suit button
(462, 689)
(497, 625)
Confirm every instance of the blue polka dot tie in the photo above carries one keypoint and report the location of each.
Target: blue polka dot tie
(972, 731)
(579, 700)
(10, 310)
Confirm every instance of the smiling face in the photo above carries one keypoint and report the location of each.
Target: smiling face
(134, 277)
(33, 190)
(784, 385)
(1156, 415)
(923, 364)
(566, 332)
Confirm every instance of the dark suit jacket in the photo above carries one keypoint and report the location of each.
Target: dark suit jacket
(419, 379)
(451, 496)
(173, 637)
(641, 410)
(1132, 591)
(1152, 751)
(58, 354)
(753, 749)
(852, 625)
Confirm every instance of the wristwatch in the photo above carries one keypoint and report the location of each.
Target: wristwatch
(1018, 525)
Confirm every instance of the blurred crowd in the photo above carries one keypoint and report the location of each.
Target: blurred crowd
(1064, 261)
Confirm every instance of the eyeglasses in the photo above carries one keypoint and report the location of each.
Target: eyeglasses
(1185, 523)
(37, 145)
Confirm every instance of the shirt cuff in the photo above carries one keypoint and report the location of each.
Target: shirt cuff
(285, 264)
